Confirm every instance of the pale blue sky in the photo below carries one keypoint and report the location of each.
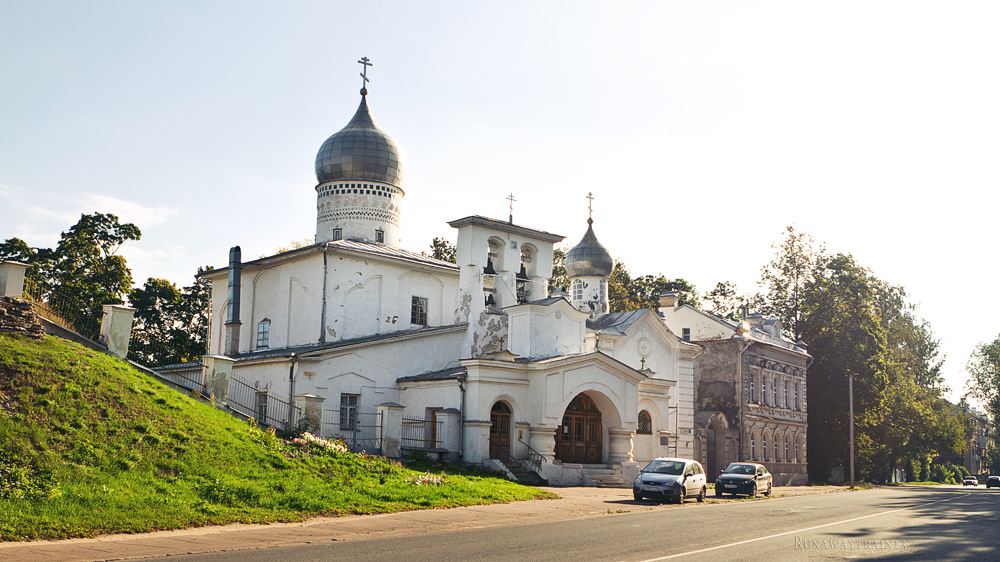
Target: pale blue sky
(701, 128)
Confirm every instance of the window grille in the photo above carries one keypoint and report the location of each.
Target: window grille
(645, 423)
(418, 311)
(348, 412)
(338, 234)
(379, 237)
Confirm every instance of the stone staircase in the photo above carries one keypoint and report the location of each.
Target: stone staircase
(603, 476)
(526, 476)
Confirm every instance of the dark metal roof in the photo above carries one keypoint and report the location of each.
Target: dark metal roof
(443, 375)
(616, 322)
(360, 151)
(589, 258)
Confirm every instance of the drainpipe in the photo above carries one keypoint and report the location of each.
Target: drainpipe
(322, 322)
(461, 419)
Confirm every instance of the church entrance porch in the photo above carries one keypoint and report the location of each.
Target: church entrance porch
(500, 431)
(580, 436)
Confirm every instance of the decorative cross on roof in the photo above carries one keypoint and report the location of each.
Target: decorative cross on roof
(511, 199)
(590, 205)
(364, 73)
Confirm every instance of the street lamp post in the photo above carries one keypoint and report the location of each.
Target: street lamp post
(850, 390)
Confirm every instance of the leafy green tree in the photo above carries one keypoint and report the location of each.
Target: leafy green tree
(984, 376)
(788, 276)
(559, 279)
(86, 261)
(171, 325)
(293, 245)
(443, 250)
(628, 293)
(840, 322)
(15, 249)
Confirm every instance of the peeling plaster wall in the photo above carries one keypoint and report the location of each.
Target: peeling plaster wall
(364, 297)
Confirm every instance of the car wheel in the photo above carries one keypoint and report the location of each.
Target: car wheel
(718, 493)
(637, 496)
(680, 497)
(701, 496)
(753, 491)
(768, 492)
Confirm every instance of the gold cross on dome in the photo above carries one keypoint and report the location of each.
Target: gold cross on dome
(590, 205)
(364, 73)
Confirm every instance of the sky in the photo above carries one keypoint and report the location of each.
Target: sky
(702, 129)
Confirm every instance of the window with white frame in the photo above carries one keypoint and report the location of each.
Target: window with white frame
(686, 334)
(786, 449)
(763, 391)
(797, 451)
(577, 290)
(379, 237)
(784, 394)
(349, 412)
(263, 333)
(763, 439)
(418, 311)
(777, 456)
(752, 397)
(338, 234)
(774, 391)
(753, 448)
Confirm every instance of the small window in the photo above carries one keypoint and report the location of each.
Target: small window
(645, 423)
(753, 448)
(763, 453)
(349, 412)
(338, 234)
(262, 407)
(752, 397)
(577, 290)
(379, 237)
(777, 456)
(418, 311)
(686, 334)
(263, 333)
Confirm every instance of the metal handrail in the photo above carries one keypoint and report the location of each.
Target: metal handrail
(532, 458)
(507, 458)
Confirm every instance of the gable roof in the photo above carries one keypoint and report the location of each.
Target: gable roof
(616, 322)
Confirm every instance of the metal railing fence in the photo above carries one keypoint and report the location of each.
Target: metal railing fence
(63, 308)
(361, 430)
(266, 409)
(421, 433)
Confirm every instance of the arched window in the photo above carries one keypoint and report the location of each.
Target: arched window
(645, 423)
(787, 459)
(777, 456)
(753, 448)
(763, 391)
(763, 439)
(797, 450)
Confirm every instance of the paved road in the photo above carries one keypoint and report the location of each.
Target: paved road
(912, 523)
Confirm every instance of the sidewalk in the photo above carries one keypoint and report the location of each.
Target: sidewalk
(572, 503)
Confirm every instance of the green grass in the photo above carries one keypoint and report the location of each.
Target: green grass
(89, 445)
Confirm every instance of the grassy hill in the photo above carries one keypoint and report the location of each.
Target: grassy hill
(89, 445)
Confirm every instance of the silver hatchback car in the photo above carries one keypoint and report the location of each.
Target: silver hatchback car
(671, 480)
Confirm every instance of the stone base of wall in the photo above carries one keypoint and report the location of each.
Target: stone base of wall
(18, 316)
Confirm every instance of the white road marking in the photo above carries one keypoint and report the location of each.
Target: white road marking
(799, 530)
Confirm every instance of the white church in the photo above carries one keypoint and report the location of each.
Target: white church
(474, 361)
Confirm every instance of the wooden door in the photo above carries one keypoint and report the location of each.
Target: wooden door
(581, 433)
(500, 431)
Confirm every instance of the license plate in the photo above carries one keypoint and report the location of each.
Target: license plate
(729, 485)
(650, 489)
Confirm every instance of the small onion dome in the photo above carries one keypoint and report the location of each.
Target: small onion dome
(360, 151)
(589, 258)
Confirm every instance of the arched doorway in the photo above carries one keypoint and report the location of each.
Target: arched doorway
(579, 438)
(499, 431)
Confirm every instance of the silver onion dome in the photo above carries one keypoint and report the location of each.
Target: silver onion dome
(360, 151)
(589, 258)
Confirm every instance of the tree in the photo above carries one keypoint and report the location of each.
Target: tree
(559, 279)
(294, 245)
(787, 277)
(840, 322)
(728, 303)
(443, 250)
(627, 293)
(984, 376)
(15, 249)
(171, 325)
